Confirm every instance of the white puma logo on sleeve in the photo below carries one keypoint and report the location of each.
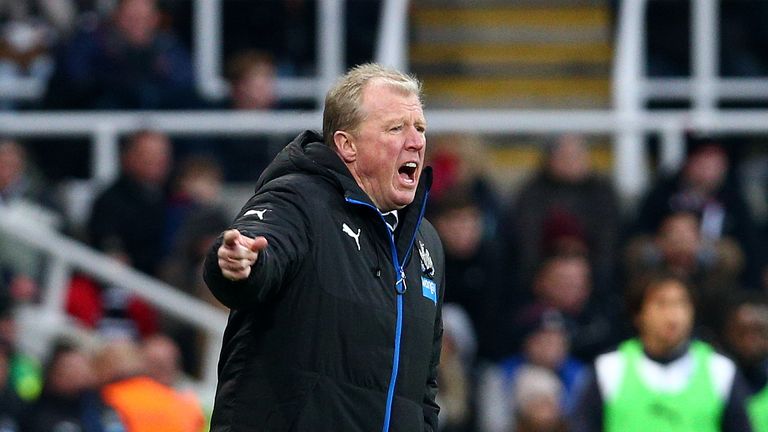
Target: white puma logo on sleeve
(259, 213)
(347, 230)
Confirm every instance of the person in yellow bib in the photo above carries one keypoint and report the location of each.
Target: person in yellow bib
(663, 380)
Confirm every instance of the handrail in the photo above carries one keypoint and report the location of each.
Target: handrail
(69, 254)
(106, 127)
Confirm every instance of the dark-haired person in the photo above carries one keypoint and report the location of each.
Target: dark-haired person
(662, 380)
(333, 278)
(744, 335)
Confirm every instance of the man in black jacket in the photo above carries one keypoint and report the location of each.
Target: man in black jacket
(333, 278)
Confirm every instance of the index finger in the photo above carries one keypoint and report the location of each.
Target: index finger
(230, 237)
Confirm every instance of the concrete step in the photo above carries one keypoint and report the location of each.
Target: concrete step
(450, 92)
(506, 34)
(510, 54)
(512, 16)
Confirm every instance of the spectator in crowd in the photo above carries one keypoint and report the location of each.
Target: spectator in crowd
(70, 400)
(138, 398)
(474, 267)
(460, 163)
(565, 208)
(713, 266)
(193, 222)
(163, 359)
(24, 194)
(545, 344)
(744, 335)
(128, 218)
(530, 400)
(536, 395)
(663, 379)
(702, 187)
(564, 283)
(12, 406)
(195, 192)
(455, 395)
(126, 62)
(252, 77)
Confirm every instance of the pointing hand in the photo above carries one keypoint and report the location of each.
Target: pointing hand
(238, 253)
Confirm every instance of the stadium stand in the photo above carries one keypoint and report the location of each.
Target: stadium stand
(664, 103)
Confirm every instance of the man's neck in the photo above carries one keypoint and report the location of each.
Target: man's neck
(666, 356)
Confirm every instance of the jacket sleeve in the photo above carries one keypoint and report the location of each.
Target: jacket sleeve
(735, 416)
(278, 214)
(429, 404)
(587, 414)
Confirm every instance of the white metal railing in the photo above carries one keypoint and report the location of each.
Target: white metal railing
(67, 255)
(632, 87)
(391, 48)
(106, 128)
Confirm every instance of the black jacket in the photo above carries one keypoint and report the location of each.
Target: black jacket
(318, 330)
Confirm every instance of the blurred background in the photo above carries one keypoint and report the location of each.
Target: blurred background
(577, 145)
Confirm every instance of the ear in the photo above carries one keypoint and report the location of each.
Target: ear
(345, 146)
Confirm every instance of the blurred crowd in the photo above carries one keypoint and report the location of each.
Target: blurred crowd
(536, 277)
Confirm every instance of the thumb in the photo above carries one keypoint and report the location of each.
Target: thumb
(230, 237)
(257, 244)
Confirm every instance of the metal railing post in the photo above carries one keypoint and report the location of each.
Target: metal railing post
(330, 47)
(106, 155)
(630, 168)
(392, 43)
(207, 49)
(704, 53)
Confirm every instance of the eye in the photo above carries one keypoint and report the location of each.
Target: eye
(421, 128)
(397, 128)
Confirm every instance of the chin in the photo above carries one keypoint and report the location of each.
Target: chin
(403, 200)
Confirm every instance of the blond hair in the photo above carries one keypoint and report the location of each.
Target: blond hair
(343, 101)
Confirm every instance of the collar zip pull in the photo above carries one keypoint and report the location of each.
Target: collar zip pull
(400, 285)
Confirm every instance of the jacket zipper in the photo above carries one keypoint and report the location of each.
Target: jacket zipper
(400, 288)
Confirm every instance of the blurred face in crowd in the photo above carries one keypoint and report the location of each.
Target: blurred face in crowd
(706, 168)
(162, 357)
(679, 239)
(569, 160)
(255, 89)
(536, 399)
(148, 158)
(746, 333)
(11, 163)
(137, 20)
(665, 319)
(565, 283)
(385, 152)
(71, 374)
(461, 230)
(547, 347)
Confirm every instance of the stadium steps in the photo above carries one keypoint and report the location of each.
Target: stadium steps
(521, 54)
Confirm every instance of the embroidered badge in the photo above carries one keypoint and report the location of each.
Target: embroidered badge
(427, 267)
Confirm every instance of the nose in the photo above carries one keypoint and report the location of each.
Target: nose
(415, 140)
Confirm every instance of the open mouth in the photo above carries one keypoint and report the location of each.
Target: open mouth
(407, 172)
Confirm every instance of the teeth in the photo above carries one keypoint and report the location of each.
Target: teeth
(411, 164)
